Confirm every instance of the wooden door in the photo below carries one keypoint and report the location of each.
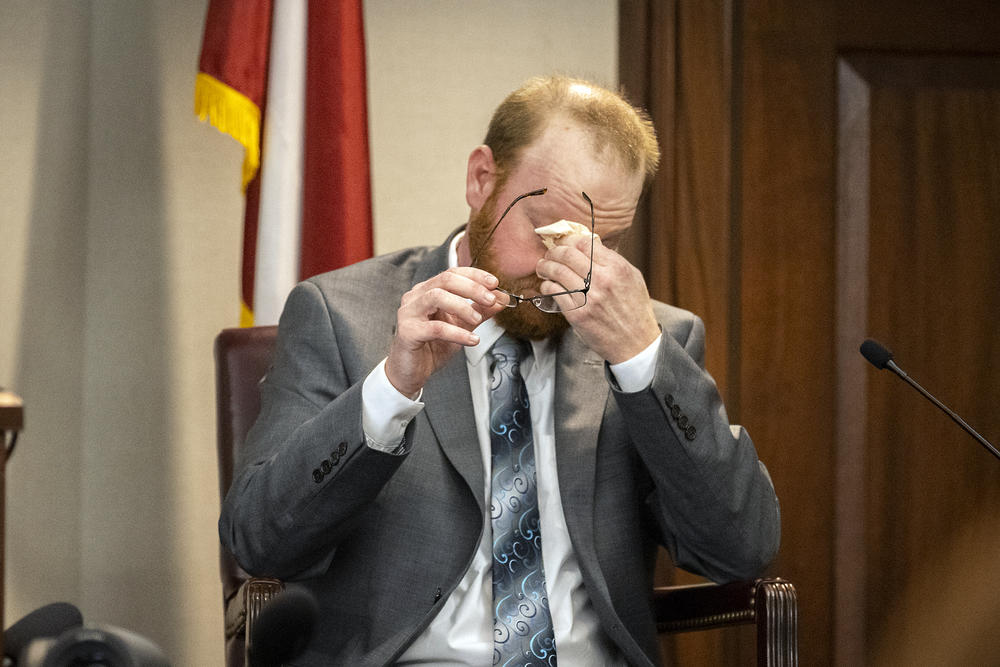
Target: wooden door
(832, 172)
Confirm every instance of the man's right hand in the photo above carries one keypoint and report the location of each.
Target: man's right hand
(435, 319)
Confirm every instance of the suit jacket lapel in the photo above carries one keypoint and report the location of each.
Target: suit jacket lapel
(580, 396)
(448, 400)
(448, 408)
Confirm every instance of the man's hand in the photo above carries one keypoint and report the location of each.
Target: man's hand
(435, 319)
(617, 322)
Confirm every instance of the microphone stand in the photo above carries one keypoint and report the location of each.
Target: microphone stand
(891, 365)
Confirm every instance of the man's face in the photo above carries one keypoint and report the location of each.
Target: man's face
(524, 321)
(564, 161)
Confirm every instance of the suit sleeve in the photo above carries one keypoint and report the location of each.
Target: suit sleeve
(713, 499)
(306, 472)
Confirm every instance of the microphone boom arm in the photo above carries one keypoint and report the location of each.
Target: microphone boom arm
(891, 365)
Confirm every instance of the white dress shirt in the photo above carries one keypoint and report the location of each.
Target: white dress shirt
(462, 632)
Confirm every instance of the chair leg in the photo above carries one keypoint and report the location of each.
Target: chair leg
(256, 592)
(776, 609)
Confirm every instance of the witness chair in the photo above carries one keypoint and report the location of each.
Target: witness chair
(242, 357)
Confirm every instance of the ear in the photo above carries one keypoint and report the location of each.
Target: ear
(480, 179)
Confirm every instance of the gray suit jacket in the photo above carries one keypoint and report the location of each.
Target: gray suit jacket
(382, 540)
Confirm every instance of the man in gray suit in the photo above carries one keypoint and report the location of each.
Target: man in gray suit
(371, 474)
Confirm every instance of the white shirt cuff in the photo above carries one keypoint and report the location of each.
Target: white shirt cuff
(385, 412)
(636, 374)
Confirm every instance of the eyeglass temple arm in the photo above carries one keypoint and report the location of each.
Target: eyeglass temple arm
(486, 241)
(590, 271)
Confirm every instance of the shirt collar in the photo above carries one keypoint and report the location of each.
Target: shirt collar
(489, 332)
(453, 250)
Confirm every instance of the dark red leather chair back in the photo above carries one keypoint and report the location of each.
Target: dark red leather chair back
(242, 357)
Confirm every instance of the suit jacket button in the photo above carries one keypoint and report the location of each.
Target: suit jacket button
(317, 475)
(683, 422)
(669, 401)
(342, 448)
(675, 411)
(691, 433)
(326, 466)
(437, 595)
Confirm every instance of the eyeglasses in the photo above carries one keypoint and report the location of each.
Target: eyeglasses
(546, 303)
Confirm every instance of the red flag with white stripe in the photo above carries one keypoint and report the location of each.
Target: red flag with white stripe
(314, 208)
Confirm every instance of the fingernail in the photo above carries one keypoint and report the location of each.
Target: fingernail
(490, 297)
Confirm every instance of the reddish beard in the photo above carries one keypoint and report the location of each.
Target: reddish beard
(524, 321)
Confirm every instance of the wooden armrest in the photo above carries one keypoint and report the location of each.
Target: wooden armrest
(703, 606)
(244, 607)
(771, 604)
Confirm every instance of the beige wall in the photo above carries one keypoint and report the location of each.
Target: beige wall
(119, 259)
(43, 224)
(435, 76)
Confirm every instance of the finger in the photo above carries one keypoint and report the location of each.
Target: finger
(581, 242)
(419, 332)
(439, 303)
(464, 281)
(566, 302)
(503, 300)
(478, 275)
(489, 311)
(576, 254)
(568, 272)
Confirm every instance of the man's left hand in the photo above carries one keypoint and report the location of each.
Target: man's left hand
(617, 321)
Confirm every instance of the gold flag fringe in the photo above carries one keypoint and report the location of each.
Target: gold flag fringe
(246, 315)
(231, 112)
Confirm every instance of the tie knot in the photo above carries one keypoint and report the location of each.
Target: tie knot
(510, 350)
(507, 355)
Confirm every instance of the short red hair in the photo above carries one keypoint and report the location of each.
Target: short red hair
(615, 123)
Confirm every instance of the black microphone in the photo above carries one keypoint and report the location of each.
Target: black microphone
(881, 358)
(283, 628)
(106, 646)
(45, 622)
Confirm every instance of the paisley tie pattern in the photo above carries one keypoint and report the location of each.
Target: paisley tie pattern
(522, 624)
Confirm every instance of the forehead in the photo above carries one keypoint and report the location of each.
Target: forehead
(565, 160)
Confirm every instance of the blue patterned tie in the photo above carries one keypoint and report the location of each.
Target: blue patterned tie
(522, 624)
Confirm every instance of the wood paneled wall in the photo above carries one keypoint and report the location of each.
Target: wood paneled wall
(831, 172)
